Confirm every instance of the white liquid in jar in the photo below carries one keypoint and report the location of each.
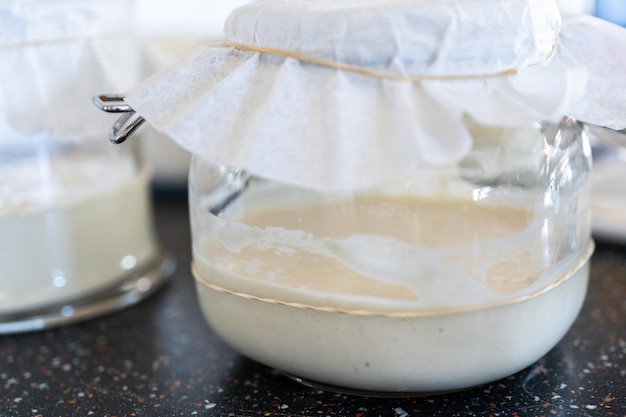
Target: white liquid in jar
(70, 225)
(388, 295)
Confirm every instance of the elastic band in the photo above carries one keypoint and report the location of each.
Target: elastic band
(379, 74)
(401, 314)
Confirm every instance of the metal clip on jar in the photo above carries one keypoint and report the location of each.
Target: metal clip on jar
(366, 229)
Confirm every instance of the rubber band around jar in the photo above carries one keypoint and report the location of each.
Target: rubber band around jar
(402, 314)
(379, 74)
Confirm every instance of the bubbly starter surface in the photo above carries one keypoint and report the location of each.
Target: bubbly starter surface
(384, 253)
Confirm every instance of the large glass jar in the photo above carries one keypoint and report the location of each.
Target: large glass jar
(455, 276)
(375, 209)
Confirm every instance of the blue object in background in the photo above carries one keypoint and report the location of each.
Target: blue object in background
(612, 10)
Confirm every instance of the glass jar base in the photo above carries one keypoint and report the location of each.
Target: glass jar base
(365, 393)
(132, 289)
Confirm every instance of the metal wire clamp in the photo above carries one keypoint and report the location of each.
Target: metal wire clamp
(128, 122)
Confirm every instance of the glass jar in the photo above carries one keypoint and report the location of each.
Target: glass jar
(455, 276)
(78, 238)
(75, 217)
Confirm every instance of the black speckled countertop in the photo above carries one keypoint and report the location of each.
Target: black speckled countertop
(160, 359)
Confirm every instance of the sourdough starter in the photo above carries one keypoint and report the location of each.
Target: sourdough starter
(388, 294)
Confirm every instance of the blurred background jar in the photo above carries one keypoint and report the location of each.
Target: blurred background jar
(77, 236)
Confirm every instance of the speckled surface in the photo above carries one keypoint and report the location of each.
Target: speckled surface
(160, 359)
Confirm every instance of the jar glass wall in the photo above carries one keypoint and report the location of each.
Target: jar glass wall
(416, 286)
